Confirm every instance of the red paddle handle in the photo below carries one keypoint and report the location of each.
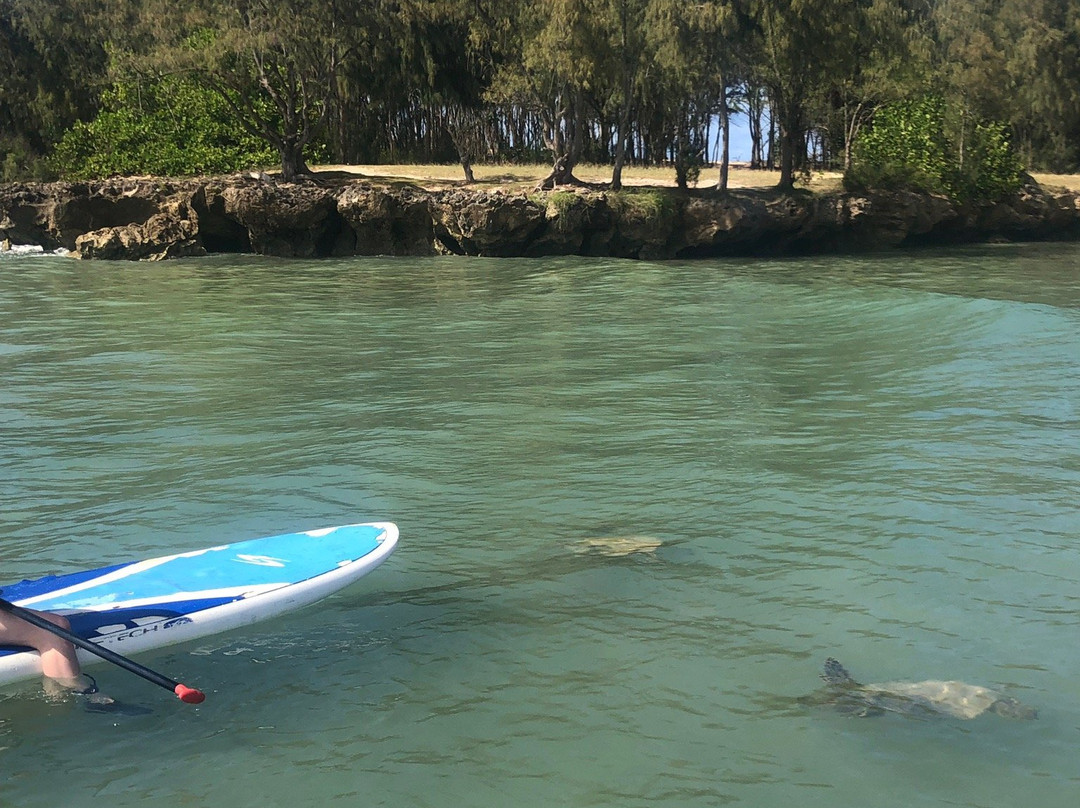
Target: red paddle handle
(189, 695)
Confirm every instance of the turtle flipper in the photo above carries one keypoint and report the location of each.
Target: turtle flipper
(836, 674)
(869, 711)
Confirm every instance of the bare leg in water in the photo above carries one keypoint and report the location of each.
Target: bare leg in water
(59, 663)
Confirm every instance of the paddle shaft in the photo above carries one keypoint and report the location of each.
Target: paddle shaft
(186, 694)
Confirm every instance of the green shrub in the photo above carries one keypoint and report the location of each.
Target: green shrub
(169, 127)
(990, 170)
(911, 145)
(905, 148)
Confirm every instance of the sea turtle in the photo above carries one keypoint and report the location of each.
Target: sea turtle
(618, 546)
(917, 698)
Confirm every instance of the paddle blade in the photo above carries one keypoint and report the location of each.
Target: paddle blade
(189, 695)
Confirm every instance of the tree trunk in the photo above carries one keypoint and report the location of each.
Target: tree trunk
(292, 161)
(770, 154)
(561, 174)
(603, 148)
(620, 146)
(755, 109)
(790, 136)
(853, 123)
(566, 142)
(620, 160)
(725, 133)
(681, 178)
(467, 132)
(787, 159)
(577, 142)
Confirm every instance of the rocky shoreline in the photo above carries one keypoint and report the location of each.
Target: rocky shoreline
(153, 219)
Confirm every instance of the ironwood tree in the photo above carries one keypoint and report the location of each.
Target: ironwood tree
(609, 81)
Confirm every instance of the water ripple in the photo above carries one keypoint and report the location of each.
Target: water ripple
(874, 459)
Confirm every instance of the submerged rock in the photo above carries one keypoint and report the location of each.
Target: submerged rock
(619, 546)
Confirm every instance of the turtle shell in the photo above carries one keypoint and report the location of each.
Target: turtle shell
(957, 699)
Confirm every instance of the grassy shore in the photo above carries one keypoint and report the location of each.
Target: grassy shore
(526, 177)
(1068, 181)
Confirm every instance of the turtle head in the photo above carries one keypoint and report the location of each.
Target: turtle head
(1011, 708)
(835, 673)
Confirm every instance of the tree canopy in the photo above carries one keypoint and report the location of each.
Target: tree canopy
(164, 87)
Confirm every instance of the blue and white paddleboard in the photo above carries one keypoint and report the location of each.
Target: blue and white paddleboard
(163, 601)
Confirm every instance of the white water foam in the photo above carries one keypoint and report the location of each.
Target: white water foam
(23, 250)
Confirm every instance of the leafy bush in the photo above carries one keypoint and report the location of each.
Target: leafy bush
(991, 170)
(169, 127)
(905, 148)
(911, 145)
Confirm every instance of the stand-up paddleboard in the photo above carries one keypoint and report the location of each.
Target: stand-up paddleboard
(163, 601)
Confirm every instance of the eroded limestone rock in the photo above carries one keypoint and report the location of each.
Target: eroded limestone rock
(150, 219)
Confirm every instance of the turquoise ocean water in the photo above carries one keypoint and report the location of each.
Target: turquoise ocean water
(875, 458)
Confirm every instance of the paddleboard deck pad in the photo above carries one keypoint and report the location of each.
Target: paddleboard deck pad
(164, 601)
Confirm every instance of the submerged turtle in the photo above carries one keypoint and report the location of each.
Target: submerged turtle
(618, 546)
(918, 698)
